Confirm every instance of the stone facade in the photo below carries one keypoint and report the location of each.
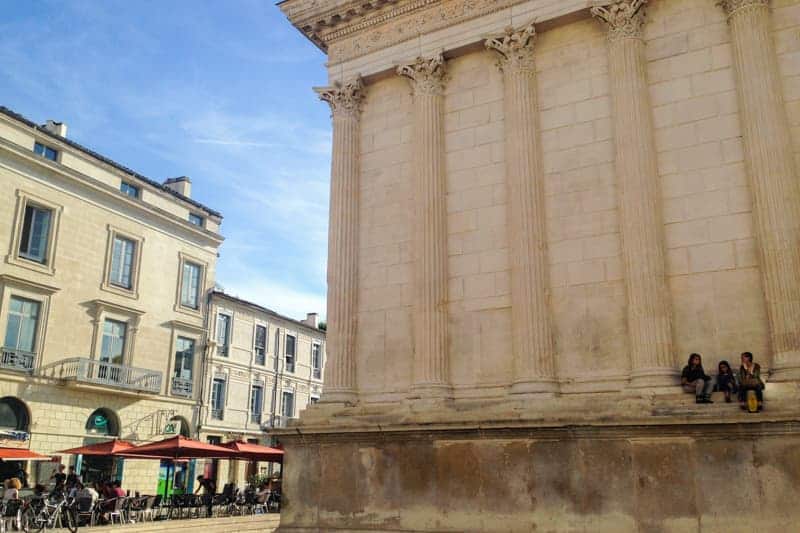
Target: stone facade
(621, 192)
(74, 276)
(250, 352)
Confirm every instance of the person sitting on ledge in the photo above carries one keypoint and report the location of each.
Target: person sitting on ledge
(750, 379)
(726, 380)
(694, 379)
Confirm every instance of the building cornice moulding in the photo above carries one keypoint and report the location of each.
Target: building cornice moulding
(353, 28)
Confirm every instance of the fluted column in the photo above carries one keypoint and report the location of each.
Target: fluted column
(531, 339)
(340, 370)
(773, 177)
(641, 225)
(431, 369)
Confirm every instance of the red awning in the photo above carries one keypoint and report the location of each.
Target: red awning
(109, 447)
(20, 454)
(254, 452)
(177, 448)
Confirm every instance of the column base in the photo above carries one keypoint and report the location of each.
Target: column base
(342, 396)
(543, 386)
(430, 391)
(654, 378)
(786, 368)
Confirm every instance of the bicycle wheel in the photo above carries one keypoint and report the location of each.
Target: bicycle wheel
(33, 521)
(69, 519)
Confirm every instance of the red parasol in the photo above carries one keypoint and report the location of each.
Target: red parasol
(177, 448)
(254, 452)
(20, 454)
(109, 447)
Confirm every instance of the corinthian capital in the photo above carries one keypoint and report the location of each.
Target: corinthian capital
(732, 6)
(515, 47)
(625, 18)
(344, 98)
(426, 75)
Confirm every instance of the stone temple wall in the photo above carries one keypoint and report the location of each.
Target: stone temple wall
(522, 258)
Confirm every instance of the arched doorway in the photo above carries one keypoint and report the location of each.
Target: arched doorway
(15, 422)
(102, 425)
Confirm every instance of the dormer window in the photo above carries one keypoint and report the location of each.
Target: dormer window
(197, 220)
(45, 151)
(129, 190)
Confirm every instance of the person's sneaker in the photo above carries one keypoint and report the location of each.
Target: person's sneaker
(698, 399)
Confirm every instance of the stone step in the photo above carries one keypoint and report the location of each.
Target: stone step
(263, 523)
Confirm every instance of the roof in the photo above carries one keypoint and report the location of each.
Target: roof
(16, 116)
(265, 310)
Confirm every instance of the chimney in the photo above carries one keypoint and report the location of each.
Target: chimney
(56, 128)
(181, 185)
(312, 319)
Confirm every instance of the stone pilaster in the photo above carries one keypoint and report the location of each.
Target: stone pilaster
(340, 371)
(649, 312)
(773, 177)
(532, 340)
(431, 370)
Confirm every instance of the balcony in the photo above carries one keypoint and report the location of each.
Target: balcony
(182, 387)
(279, 421)
(255, 418)
(93, 372)
(217, 414)
(13, 359)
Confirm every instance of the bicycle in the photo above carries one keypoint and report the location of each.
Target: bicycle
(49, 513)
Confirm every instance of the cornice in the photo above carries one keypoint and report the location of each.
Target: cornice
(347, 29)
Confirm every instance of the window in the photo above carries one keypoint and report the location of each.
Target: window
(184, 358)
(223, 334)
(45, 151)
(129, 190)
(35, 233)
(314, 400)
(23, 322)
(261, 345)
(13, 415)
(290, 341)
(123, 254)
(288, 405)
(316, 361)
(197, 220)
(256, 401)
(217, 398)
(103, 422)
(190, 285)
(277, 348)
(112, 349)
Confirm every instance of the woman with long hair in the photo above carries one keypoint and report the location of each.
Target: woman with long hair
(694, 379)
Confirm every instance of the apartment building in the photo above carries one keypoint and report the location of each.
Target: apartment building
(263, 368)
(103, 290)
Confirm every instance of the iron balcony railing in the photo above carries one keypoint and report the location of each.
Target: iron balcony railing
(182, 387)
(279, 421)
(13, 359)
(85, 370)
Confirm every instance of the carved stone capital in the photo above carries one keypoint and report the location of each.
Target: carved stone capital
(344, 98)
(625, 18)
(426, 75)
(733, 6)
(515, 48)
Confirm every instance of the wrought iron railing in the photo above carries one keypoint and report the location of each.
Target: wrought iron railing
(85, 370)
(13, 359)
(279, 421)
(182, 387)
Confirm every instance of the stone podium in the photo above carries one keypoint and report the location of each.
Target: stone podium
(539, 209)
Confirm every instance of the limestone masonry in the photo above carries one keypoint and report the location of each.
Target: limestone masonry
(539, 208)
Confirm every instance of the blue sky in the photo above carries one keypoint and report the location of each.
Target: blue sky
(218, 91)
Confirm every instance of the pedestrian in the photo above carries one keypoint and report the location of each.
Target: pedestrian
(209, 490)
(694, 379)
(750, 380)
(726, 380)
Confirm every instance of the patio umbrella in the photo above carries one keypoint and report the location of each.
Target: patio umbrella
(109, 447)
(177, 448)
(20, 454)
(254, 452)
